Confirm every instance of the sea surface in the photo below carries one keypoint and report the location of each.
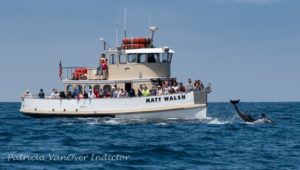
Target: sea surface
(222, 141)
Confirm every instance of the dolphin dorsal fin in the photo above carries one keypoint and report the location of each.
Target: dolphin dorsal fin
(263, 115)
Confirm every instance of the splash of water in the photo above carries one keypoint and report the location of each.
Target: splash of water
(156, 122)
(216, 121)
(161, 124)
(113, 122)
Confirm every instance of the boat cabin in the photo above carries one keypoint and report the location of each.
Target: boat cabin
(139, 63)
(135, 62)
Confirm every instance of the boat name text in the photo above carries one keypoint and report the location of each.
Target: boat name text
(167, 98)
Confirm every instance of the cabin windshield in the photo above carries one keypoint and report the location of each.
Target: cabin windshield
(169, 57)
(132, 58)
(122, 59)
(141, 58)
(166, 57)
(147, 58)
(152, 57)
(112, 59)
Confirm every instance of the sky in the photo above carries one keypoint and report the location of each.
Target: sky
(247, 49)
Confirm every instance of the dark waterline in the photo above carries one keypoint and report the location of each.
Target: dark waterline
(220, 142)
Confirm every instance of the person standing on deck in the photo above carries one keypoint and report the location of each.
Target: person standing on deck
(189, 86)
(27, 94)
(41, 94)
(103, 63)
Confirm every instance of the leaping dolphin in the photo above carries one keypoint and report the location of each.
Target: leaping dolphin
(248, 118)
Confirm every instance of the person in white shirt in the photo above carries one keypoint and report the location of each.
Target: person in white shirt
(27, 94)
(54, 94)
(159, 91)
(123, 93)
(118, 92)
(189, 86)
(91, 94)
(165, 89)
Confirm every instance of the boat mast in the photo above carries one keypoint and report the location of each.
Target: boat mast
(152, 29)
(116, 36)
(125, 24)
(104, 43)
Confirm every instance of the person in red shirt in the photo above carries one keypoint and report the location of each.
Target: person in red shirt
(103, 62)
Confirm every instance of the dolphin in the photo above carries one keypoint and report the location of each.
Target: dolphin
(247, 118)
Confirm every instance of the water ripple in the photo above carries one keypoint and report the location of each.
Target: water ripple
(222, 141)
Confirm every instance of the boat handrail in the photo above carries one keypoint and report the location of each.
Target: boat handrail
(48, 96)
(68, 73)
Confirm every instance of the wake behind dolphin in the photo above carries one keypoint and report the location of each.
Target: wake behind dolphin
(247, 118)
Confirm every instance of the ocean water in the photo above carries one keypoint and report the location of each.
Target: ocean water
(222, 141)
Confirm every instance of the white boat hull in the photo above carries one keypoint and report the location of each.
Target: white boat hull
(190, 105)
(193, 113)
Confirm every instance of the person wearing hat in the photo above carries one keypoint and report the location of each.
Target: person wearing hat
(27, 94)
(41, 94)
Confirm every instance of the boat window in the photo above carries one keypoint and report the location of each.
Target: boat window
(123, 59)
(132, 58)
(163, 57)
(152, 58)
(87, 88)
(79, 89)
(141, 58)
(107, 88)
(112, 59)
(70, 88)
(96, 87)
(169, 57)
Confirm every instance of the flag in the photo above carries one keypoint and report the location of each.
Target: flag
(60, 71)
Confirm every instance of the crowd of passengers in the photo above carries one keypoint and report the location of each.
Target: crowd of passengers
(159, 87)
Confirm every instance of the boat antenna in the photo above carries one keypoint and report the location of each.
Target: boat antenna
(116, 36)
(117, 32)
(149, 19)
(104, 43)
(152, 29)
(125, 24)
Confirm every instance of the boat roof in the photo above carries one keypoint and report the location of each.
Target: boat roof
(150, 50)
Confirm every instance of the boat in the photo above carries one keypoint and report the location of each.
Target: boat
(119, 87)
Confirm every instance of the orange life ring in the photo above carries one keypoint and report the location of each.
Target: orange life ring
(141, 40)
(133, 46)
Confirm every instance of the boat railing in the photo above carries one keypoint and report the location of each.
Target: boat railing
(80, 73)
(102, 98)
(36, 96)
(49, 96)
